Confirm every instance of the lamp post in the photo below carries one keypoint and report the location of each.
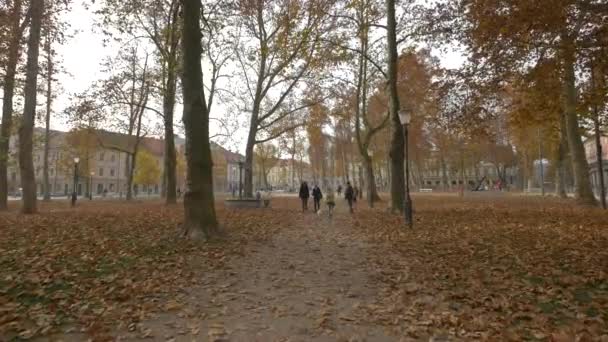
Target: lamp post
(240, 180)
(404, 117)
(74, 193)
(540, 157)
(91, 187)
(370, 180)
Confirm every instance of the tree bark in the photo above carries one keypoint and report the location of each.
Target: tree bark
(170, 157)
(600, 162)
(47, 127)
(7, 101)
(248, 182)
(372, 190)
(26, 131)
(560, 161)
(598, 135)
(199, 210)
(397, 140)
(583, 194)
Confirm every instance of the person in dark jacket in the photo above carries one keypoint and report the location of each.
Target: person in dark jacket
(304, 195)
(316, 196)
(349, 194)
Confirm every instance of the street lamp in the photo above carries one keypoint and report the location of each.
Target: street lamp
(405, 117)
(74, 194)
(370, 179)
(240, 180)
(91, 187)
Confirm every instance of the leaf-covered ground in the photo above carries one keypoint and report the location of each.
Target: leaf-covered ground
(482, 268)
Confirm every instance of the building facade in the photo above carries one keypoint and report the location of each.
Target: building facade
(104, 164)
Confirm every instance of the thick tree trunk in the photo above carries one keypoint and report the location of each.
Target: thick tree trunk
(397, 141)
(560, 161)
(248, 186)
(47, 127)
(7, 101)
(372, 190)
(199, 210)
(131, 167)
(26, 131)
(583, 194)
(170, 158)
(444, 174)
(598, 140)
(600, 162)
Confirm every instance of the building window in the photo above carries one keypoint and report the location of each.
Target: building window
(52, 172)
(112, 157)
(111, 187)
(112, 172)
(101, 156)
(13, 176)
(101, 171)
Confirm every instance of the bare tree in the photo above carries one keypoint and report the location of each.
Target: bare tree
(284, 49)
(199, 218)
(17, 22)
(26, 130)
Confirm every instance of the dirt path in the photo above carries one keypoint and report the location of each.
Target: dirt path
(309, 283)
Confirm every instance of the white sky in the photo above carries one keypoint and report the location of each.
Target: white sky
(83, 54)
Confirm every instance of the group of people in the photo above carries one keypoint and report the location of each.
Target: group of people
(350, 194)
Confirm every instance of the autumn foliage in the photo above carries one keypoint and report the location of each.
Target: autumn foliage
(481, 268)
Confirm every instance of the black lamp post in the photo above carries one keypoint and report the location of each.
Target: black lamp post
(74, 193)
(91, 187)
(240, 180)
(370, 180)
(405, 117)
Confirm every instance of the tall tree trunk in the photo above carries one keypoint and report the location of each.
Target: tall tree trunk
(7, 101)
(584, 194)
(129, 194)
(248, 182)
(26, 131)
(170, 157)
(600, 162)
(199, 210)
(444, 174)
(397, 142)
(47, 127)
(131, 172)
(372, 190)
(560, 161)
(598, 138)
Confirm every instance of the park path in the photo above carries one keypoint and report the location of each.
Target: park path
(310, 282)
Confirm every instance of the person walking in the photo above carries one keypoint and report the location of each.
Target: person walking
(349, 194)
(339, 190)
(331, 201)
(304, 195)
(317, 195)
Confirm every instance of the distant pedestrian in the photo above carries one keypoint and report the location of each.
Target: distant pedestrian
(179, 193)
(349, 194)
(331, 201)
(339, 190)
(317, 195)
(355, 194)
(304, 195)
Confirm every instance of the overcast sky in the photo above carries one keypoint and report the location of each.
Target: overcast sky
(83, 54)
